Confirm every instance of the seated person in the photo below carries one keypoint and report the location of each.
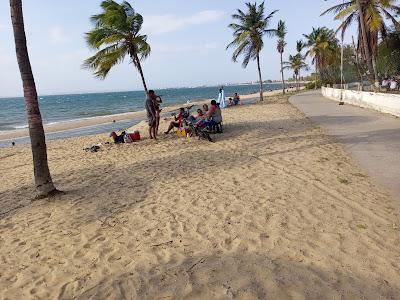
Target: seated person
(200, 115)
(196, 119)
(236, 99)
(177, 122)
(205, 108)
(385, 83)
(118, 139)
(230, 102)
(393, 85)
(213, 115)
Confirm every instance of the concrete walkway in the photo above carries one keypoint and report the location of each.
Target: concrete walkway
(373, 138)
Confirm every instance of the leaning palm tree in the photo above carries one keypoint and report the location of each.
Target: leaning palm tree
(248, 35)
(281, 34)
(322, 47)
(296, 63)
(43, 181)
(116, 34)
(370, 16)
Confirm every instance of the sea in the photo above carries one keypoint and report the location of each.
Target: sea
(72, 107)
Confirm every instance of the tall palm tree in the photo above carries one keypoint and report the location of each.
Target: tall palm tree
(299, 47)
(116, 34)
(281, 34)
(296, 63)
(248, 34)
(43, 181)
(370, 16)
(322, 47)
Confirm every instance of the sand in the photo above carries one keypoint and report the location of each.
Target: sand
(274, 209)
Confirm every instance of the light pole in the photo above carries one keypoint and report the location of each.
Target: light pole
(341, 69)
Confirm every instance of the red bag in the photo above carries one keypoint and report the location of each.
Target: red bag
(135, 136)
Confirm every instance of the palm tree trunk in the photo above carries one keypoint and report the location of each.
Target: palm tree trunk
(43, 181)
(260, 79)
(283, 78)
(374, 67)
(368, 57)
(316, 75)
(298, 82)
(358, 64)
(139, 67)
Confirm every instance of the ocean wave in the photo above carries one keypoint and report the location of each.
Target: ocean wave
(21, 126)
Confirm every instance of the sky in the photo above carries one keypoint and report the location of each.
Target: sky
(188, 40)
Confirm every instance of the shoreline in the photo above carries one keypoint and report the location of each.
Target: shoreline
(8, 136)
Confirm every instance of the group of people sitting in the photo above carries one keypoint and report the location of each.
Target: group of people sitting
(390, 84)
(235, 100)
(206, 117)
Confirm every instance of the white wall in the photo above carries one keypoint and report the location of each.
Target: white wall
(386, 103)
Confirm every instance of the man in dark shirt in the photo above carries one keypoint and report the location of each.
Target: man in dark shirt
(151, 113)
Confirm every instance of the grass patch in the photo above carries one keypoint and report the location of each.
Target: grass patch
(343, 180)
(360, 175)
(361, 226)
(322, 159)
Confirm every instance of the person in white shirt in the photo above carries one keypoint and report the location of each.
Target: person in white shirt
(385, 83)
(393, 85)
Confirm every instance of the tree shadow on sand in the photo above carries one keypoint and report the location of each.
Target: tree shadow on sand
(234, 275)
(131, 181)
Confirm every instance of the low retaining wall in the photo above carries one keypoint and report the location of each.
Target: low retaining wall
(386, 103)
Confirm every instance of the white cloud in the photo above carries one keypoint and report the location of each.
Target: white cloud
(58, 35)
(168, 23)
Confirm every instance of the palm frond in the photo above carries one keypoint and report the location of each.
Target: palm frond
(116, 33)
(337, 8)
(105, 59)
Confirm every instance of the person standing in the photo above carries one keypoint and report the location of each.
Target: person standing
(221, 98)
(151, 113)
(157, 104)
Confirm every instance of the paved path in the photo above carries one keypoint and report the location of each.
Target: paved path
(373, 138)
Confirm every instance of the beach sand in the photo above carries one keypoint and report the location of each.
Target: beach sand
(274, 209)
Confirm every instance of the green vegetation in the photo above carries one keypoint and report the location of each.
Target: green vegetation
(248, 33)
(296, 63)
(370, 17)
(343, 180)
(322, 46)
(116, 34)
(389, 55)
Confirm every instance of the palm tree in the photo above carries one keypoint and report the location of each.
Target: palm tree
(296, 63)
(370, 16)
(116, 34)
(322, 47)
(248, 35)
(281, 33)
(299, 47)
(43, 181)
